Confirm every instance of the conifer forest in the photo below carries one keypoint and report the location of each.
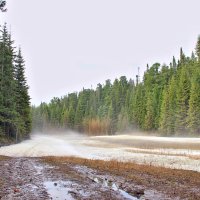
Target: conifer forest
(166, 100)
(100, 101)
(15, 118)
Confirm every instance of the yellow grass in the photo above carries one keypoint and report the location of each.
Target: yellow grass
(143, 144)
(3, 158)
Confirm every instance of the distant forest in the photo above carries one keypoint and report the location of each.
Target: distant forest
(15, 118)
(165, 101)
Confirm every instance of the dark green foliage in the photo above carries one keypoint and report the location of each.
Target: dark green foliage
(183, 95)
(172, 106)
(194, 105)
(198, 48)
(2, 6)
(15, 119)
(22, 100)
(164, 117)
(166, 100)
(182, 56)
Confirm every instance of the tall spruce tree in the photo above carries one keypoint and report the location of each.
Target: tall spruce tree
(172, 106)
(164, 117)
(22, 96)
(182, 56)
(194, 105)
(8, 113)
(198, 48)
(183, 94)
(2, 6)
(15, 119)
(150, 114)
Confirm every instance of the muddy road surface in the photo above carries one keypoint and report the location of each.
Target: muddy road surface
(106, 167)
(31, 178)
(69, 178)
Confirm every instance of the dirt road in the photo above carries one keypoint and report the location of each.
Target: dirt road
(31, 179)
(21, 179)
(97, 170)
(69, 178)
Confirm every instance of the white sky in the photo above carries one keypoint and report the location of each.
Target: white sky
(71, 44)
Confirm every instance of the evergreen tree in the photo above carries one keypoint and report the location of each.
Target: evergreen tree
(198, 48)
(193, 58)
(182, 56)
(164, 117)
(22, 100)
(194, 105)
(7, 112)
(164, 100)
(2, 6)
(139, 106)
(183, 92)
(150, 115)
(174, 65)
(15, 119)
(172, 106)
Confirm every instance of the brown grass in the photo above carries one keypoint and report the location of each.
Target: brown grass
(160, 153)
(194, 157)
(181, 183)
(96, 126)
(144, 144)
(3, 158)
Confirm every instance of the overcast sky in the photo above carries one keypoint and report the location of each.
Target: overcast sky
(71, 44)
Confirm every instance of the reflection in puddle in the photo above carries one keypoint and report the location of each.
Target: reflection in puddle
(113, 186)
(126, 195)
(58, 190)
(39, 169)
(61, 190)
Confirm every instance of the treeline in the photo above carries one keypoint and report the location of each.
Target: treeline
(15, 118)
(167, 101)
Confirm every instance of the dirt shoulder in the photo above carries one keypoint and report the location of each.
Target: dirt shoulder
(20, 179)
(75, 178)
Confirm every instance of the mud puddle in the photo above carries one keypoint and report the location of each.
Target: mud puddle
(58, 190)
(112, 185)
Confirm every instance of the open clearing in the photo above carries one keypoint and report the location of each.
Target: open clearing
(104, 167)
(178, 153)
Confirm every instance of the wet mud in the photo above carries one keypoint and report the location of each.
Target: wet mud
(35, 178)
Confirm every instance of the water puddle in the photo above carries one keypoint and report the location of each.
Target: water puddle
(113, 186)
(58, 190)
(126, 195)
(39, 169)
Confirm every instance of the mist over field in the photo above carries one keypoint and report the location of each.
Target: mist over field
(99, 100)
(182, 153)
